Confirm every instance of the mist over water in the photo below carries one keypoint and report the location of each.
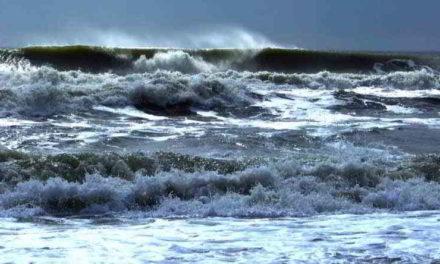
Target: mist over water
(211, 38)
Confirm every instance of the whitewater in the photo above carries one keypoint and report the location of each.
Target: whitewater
(219, 155)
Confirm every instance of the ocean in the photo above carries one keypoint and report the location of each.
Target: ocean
(218, 155)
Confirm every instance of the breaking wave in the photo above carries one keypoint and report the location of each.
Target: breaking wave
(173, 83)
(173, 61)
(44, 91)
(170, 185)
(97, 59)
(417, 79)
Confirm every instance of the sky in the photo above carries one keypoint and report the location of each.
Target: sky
(399, 25)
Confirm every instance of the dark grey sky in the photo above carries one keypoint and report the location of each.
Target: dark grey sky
(312, 24)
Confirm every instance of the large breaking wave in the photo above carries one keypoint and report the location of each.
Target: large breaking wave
(97, 59)
(176, 82)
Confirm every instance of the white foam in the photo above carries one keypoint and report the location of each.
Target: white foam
(402, 110)
(11, 122)
(129, 111)
(296, 101)
(408, 237)
(174, 61)
(396, 93)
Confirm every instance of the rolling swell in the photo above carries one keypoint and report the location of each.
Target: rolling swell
(96, 59)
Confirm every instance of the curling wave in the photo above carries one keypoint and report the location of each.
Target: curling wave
(96, 59)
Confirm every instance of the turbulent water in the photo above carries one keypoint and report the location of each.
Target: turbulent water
(262, 145)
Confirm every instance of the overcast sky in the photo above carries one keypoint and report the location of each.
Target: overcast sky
(311, 24)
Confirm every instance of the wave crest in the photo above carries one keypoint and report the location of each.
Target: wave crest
(173, 61)
(98, 59)
(256, 192)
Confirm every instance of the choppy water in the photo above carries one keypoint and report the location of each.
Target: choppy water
(375, 238)
(218, 155)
